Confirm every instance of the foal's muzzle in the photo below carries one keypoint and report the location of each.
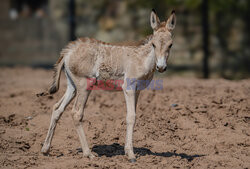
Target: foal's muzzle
(161, 65)
(161, 69)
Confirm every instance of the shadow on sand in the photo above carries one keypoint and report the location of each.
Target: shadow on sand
(116, 149)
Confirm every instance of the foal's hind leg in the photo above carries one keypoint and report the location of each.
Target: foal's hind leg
(58, 109)
(77, 115)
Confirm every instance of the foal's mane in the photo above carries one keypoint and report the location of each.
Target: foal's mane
(125, 43)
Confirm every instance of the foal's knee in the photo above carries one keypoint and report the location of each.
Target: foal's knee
(57, 113)
(77, 117)
(130, 119)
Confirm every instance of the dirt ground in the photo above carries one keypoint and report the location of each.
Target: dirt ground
(191, 123)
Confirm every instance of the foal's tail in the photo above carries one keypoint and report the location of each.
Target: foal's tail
(56, 78)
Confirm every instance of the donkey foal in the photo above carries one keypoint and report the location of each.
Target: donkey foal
(90, 58)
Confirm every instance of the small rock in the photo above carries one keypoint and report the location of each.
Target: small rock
(28, 118)
(50, 97)
(26, 145)
(79, 150)
(174, 105)
(12, 95)
(60, 155)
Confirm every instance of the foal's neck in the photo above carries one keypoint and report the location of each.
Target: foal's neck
(147, 54)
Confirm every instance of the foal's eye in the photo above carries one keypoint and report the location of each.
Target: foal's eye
(170, 46)
(153, 45)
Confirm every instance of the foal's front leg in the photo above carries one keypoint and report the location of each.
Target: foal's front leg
(130, 97)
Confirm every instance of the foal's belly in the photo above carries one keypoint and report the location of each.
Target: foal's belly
(109, 71)
(108, 85)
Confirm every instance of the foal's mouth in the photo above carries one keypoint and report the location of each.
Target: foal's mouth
(161, 70)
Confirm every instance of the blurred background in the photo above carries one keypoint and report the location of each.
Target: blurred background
(211, 39)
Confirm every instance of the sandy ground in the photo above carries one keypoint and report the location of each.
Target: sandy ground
(209, 126)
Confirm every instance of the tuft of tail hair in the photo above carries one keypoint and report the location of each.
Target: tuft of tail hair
(56, 78)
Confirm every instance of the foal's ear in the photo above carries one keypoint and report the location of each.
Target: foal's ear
(154, 20)
(170, 25)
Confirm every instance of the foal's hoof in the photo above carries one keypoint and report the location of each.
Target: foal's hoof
(90, 156)
(45, 152)
(132, 160)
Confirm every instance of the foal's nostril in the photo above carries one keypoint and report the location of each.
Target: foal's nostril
(157, 67)
(165, 69)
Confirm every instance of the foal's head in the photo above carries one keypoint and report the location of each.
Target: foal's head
(162, 39)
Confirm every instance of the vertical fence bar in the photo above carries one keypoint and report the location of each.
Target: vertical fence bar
(72, 23)
(205, 33)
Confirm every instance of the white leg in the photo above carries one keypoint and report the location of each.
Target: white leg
(77, 115)
(57, 112)
(130, 97)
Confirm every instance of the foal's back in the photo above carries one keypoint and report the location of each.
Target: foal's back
(91, 58)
